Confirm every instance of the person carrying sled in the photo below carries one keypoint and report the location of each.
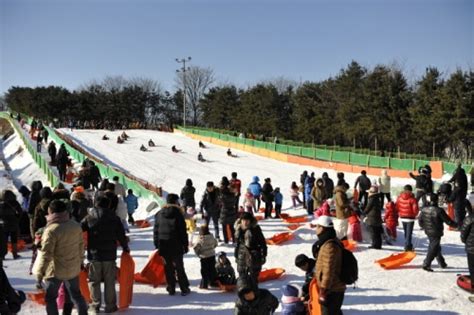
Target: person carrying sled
(143, 148)
(151, 143)
(431, 219)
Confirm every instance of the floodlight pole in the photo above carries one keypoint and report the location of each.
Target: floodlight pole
(183, 70)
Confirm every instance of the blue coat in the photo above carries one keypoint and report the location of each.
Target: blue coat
(308, 186)
(296, 308)
(255, 187)
(132, 203)
(278, 198)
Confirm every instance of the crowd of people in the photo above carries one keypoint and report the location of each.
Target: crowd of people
(53, 220)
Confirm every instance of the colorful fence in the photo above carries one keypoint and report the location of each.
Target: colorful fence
(128, 181)
(351, 159)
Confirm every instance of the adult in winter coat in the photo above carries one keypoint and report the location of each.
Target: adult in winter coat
(104, 229)
(340, 179)
(10, 212)
(460, 204)
(460, 180)
(52, 152)
(236, 186)
(431, 220)
(35, 198)
(210, 207)
(364, 185)
(267, 197)
(373, 212)
(256, 190)
(62, 159)
(84, 175)
(25, 219)
(63, 253)
(384, 186)
(423, 185)
(343, 211)
(467, 237)
(307, 265)
(171, 239)
(187, 195)
(328, 268)
(94, 175)
(119, 189)
(303, 177)
(407, 208)
(79, 205)
(252, 300)
(251, 250)
(318, 194)
(328, 185)
(228, 213)
(41, 211)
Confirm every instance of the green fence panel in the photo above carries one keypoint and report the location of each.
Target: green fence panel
(449, 167)
(282, 148)
(340, 156)
(359, 159)
(249, 142)
(224, 137)
(308, 152)
(402, 164)
(322, 154)
(271, 146)
(259, 144)
(294, 150)
(378, 161)
(421, 163)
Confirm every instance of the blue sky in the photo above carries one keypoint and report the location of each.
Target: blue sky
(71, 42)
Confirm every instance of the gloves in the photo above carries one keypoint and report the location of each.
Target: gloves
(323, 296)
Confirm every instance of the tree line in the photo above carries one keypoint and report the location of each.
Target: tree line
(358, 107)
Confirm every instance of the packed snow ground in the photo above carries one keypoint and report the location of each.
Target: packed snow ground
(408, 290)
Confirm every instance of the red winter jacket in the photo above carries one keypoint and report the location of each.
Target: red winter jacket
(407, 206)
(391, 214)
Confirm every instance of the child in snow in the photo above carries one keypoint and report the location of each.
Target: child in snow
(291, 303)
(278, 202)
(295, 194)
(249, 201)
(132, 205)
(308, 266)
(354, 232)
(391, 220)
(205, 249)
(225, 272)
(325, 209)
(190, 220)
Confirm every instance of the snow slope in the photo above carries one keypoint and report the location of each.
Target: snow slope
(409, 290)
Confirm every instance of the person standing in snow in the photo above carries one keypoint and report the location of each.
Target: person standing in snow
(171, 239)
(295, 194)
(407, 208)
(94, 174)
(10, 212)
(423, 185)
(374, 218)
(328, 185)
(467, 237)
(267, 197)
(235, 186)
(431, 220)
(62, 159)
(251, 250)
(210, 207)
(132, 205)
(205, 250)
(303, 177)
(187, 195)
(278, 202)
(343, 211)
(364, 185)
(228, 213)
(318, 194)
(52, 152)
(308, 187)
(119, 189)
(256, 190)
(384, 186)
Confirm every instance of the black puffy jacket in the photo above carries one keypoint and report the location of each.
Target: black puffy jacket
(264, 303)
(169, 233)
(104, 229)
(35, 197)
(460, 179)
(251, 246)
(373, 211)
(10, 211)
(210, 202)
(467, 233)
(432, 219)
(187, 196)
(267, 192)
(228, 213)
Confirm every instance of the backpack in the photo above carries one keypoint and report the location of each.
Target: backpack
(349, 268)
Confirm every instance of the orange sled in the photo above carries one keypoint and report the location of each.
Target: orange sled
(296, 219)
(126, 278)
(350, 245)
(84, 287)
(451, 214)
(270, 274)
(279, 238)
(396, 260)
(154, 271)
(37, 297)
(294, 226)
(227, 287)
(20, 245)
(314, 307)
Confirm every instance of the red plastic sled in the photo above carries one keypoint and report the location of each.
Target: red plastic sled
(126, 278)
(84, 286)
(279, 238)
(20, 245)
(349, 245)
(258, 217)
(294, 226)
(154, 271)
(313, 304)
(37, 297)
(396, 260)
(227, 287)
(464, 282)
(296, 219)
(270, 274)
(451, 214)
(355, 195)
(284, 215)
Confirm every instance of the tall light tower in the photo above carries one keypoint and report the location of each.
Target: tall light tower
(183, 69)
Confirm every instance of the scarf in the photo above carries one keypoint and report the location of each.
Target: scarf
(57, 217)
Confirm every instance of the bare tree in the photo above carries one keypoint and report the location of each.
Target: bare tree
(197, 81)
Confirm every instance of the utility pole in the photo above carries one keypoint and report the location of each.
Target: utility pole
(183, 70)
